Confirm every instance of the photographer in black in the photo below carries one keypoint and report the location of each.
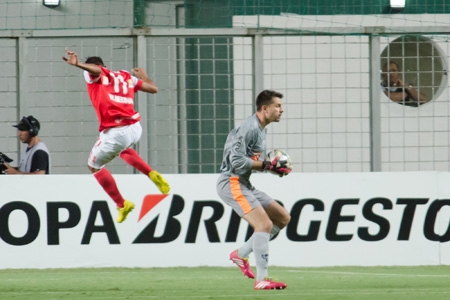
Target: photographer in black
(35, 158)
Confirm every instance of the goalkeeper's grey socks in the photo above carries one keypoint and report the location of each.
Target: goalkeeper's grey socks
(247, 248)
(274, 231)
(261, 250)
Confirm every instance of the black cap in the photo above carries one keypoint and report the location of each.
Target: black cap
(27, 123)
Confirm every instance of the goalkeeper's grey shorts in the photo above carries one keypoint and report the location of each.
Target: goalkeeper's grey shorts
(239, 196)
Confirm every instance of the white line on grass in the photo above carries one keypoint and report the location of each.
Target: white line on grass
(363, 273)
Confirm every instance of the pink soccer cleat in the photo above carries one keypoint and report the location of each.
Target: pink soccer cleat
(242, 263)
(267, 284)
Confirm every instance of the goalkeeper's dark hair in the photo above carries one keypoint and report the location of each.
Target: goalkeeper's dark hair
(95, 60)
(265, 98)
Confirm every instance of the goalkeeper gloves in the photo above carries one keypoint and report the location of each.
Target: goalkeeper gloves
(277, 166)
(268, 165)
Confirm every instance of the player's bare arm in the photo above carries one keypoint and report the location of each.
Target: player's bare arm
(72, 59)
(148, 86)
(14, 171)
(258, 165)
(10, 170)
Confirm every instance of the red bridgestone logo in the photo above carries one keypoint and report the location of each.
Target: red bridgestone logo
(148, 203)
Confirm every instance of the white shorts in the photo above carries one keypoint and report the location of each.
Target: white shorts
(111, 142)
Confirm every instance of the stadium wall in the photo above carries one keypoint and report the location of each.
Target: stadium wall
(335, 120)
(358, 219)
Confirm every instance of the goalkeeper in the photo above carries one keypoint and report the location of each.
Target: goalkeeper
(242, 151)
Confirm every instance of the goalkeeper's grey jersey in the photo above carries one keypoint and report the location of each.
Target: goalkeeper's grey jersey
(244, 144)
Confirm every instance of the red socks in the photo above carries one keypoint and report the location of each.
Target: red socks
(108, 183)
(131, 157)
(104, 177)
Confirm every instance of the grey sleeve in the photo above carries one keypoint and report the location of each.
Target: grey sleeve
(239, 159)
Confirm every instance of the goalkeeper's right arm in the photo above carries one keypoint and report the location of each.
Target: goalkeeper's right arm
(268, 165)
(277, 166)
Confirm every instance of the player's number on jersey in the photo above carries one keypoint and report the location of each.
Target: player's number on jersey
(119, 82)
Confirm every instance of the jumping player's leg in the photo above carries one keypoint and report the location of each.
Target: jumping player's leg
(131, 157)
(108, 183)
(131, 135)
(102, 153)
(104, 150)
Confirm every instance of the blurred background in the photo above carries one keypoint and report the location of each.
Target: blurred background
(210, 58)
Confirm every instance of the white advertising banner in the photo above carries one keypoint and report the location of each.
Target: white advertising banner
(359, 219)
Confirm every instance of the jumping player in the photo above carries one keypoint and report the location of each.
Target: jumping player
(242, 151)
(112, 96)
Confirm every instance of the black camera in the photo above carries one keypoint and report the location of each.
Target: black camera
(4, 159)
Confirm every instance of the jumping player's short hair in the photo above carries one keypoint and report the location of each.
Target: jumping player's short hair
(96, 60)
(265, 98)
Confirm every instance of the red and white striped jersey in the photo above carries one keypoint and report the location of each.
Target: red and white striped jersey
(112, 95)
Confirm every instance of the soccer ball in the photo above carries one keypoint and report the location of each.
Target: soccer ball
(283, 164)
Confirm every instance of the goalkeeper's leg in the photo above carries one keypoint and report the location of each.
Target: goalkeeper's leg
(247, 248)
(279, 216)
(262, 226)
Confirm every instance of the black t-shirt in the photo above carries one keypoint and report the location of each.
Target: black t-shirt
(39, 161)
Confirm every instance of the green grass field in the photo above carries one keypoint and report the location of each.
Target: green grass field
(386, 283)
